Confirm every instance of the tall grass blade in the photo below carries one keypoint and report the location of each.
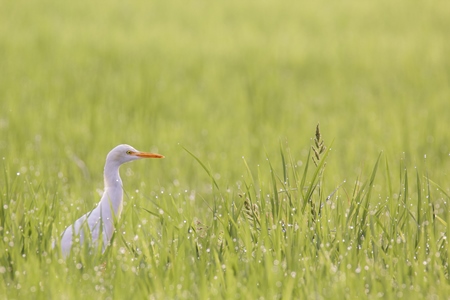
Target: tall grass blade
(204, 167)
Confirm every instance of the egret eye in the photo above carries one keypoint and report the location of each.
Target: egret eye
(129, 152)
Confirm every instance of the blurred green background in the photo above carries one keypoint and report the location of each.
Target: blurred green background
(225, 79)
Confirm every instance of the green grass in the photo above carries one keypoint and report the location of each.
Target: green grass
(230, 93)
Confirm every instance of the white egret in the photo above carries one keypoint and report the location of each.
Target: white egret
(100, 221)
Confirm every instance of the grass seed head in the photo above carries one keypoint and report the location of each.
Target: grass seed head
(318, 147)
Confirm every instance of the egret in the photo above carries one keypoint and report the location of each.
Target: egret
(99, 223)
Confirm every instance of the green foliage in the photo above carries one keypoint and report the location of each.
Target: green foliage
(234, 210)
(275, 238)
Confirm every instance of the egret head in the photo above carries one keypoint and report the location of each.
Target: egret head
(125, 153)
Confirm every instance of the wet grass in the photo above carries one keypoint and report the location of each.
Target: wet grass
(286, 237)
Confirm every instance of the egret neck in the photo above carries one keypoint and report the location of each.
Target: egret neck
(113, 193)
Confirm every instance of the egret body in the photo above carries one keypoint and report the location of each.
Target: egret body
(99, 223)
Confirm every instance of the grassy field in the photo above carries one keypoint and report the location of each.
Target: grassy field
(231, 93)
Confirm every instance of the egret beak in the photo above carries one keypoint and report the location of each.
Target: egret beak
(148, 155)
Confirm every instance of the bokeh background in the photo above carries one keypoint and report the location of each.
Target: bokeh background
(236, 83)
(226, 80)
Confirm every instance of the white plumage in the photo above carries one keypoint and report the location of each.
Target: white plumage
(100, 221)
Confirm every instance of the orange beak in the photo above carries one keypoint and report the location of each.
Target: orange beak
(148, 155)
